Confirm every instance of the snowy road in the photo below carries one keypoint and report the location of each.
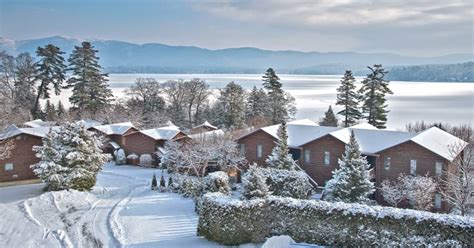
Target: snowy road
(121, 211)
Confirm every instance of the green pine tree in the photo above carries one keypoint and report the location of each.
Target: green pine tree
(351, 181)
(51, 71)
(154, 182)
(281, 105)
(280, 158)
(254, 183)
(349, 98)
(90, 90)
(329, 120)
(50, 111)
(232, 105)
(374, 88)
(60, 111)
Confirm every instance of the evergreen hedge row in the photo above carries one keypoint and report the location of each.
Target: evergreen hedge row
(234, 222)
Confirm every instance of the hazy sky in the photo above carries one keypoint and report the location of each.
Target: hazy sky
(412, 27)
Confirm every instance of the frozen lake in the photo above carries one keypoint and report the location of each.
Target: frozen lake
(411, 101)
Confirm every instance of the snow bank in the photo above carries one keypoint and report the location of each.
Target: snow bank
(233, 222)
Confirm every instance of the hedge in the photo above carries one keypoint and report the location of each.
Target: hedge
(234, 222)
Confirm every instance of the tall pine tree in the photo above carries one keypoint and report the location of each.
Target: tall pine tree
(61, 111)
(349, 98)
(280, 102)
(90, 90)
(330, 119)
(280, 158)
(51, 71)
(374, 88)
(351, 181)
(258, 107)
(232, 105)
(50, 111)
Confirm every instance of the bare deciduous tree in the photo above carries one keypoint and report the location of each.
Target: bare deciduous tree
(457, 185)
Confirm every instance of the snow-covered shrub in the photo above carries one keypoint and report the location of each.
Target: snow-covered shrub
(70, 158)
(120, 157)
(132, 156)
(188, 186)
(254, 183)
(162, 183)
(154, 183)
(417, 190)
(217, 182)
(233, 222)
(146, 160)
(287, 183)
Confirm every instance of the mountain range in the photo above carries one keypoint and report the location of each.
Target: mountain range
(125, 57)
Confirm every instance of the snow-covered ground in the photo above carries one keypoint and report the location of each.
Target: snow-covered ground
(120, 211)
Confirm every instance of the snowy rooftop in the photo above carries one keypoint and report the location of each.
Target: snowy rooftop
(439, 142)
(88, 123)
(117, 128)
(208, 135)
(39, 123)
(206, 124)
(162, 133)
(13, 130)
(299, 134)
(306, 122)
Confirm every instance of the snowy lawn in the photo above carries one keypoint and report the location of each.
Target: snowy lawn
(121, 210)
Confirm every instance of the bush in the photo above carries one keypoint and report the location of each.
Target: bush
(254, 183)
(120, 157)
(234, 222)
(188, 186)
(287, 183)
(217, 182)
(146, 160)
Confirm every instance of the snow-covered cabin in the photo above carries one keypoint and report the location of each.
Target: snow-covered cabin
(15, 165)
(202, 128)
(149, 141)
(389, 153)
(114, 134)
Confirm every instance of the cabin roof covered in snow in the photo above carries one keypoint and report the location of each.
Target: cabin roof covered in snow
(208, 135)
(115, 129)
(306, 122)
(39, 123)
(88, 123)
(13, 130)
(299, 135)
(440, 142)
(162, 133)
(206, 124)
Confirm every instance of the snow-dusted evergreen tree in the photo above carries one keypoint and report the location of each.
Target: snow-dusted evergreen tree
(61, 112)
(51, 71)
(231, 104)
(254, 183)
(351, 181)
(281, 104)
(90, 91)
(258, 107)
(329, 120)
(374, 88)
(154, 182)
(348, 98)
(50, 111)
(280, 158)
(70, 158)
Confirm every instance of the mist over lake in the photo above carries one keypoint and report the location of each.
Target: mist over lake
(411, 101)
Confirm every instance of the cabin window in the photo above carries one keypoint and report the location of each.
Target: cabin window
(387, 163)
(437, 201)
(242, 149)
(439, 169)
(8, 166)
(413, 167)
(307, 156)
(327, 159)
(259, 150)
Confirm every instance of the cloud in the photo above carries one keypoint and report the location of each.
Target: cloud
(321, 13)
